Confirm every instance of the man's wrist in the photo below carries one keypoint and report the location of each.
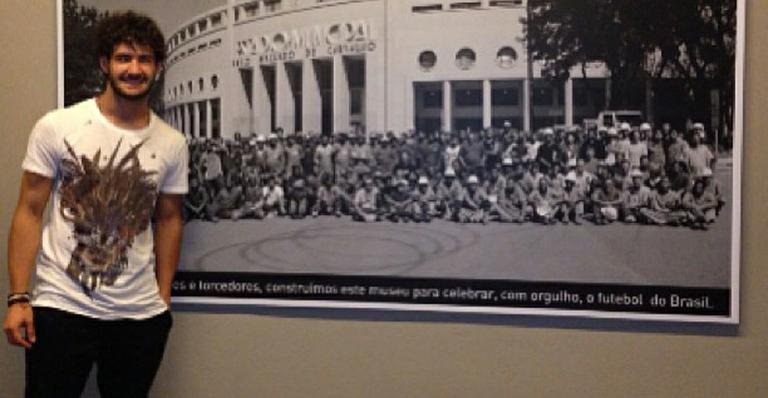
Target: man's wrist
(18, 298)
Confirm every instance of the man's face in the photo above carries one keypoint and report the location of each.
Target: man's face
(131, 70)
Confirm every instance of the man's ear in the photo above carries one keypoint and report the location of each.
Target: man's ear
(104, 65)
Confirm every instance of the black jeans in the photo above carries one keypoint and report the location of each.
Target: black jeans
(127, 354)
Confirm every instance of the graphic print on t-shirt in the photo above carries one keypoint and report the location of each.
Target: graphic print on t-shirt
(108, 205)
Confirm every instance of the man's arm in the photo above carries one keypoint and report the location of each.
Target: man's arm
(168, 229)
(23, 244)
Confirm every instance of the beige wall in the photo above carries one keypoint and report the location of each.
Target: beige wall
(258, 355)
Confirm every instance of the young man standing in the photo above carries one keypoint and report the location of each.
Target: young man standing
(117, 174)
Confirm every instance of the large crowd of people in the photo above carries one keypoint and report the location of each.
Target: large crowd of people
(630, 174)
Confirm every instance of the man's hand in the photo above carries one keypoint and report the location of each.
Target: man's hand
(19, 326)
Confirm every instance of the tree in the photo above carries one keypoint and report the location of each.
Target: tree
(693, 40)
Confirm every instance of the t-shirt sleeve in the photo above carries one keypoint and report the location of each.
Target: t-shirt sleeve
(175, 180)
(42, 155)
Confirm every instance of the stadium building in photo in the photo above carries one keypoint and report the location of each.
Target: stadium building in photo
(365, 65)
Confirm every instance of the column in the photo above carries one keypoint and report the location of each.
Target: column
(208, 118)
(177, 113)
(527, 105)
(447, 103)
(285, 110)
(187, 118)
(340, 95)
(262, 105)
(374, 92)
(311, 99)
(196, 116)
(487, 105)
(568, 102)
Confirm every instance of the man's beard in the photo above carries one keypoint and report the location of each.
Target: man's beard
(113, 81)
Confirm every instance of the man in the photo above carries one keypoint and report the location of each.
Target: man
(104, 275)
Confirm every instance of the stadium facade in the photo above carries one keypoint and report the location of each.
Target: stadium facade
(366, 65)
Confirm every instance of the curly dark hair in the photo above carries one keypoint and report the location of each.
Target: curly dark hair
(129, 27)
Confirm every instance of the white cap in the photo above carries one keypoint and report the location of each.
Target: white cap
(624, 126)
(645, 126)
(423, 180)
(260, 138)
(547, 131)
(507, 161)
(635, 173)
(272, 136)
(507, 123)
(698, 126)
(472, 179)
(450, 172)
(612, 131)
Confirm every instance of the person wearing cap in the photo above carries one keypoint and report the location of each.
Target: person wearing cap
(712, 185)
(636, 198)
(274, 198)
(612, 150)
(366, 203)
(474, 202)
(275, 156)
(700, 205)
(451, 158)
(698, 156)
(548, 153)
(623, 142)
(607, 200)
(425, 201)
(664, 206)
(450, 193)
(636, 149)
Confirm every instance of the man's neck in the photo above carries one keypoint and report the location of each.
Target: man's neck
(124, 113)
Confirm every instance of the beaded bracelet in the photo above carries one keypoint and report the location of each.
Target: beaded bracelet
(15, 298)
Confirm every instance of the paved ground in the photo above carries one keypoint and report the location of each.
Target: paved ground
(624, 254)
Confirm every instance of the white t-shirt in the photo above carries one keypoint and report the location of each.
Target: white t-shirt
(97, 257)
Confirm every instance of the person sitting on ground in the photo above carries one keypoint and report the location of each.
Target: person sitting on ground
(253, 206)
(636, 198)
(365, 206)
(509, 207)
(330, 198)
(607, 200)
(571, 201)
(542, 203)
(700, 205)
(664, 206)
(450, 194)
(297, 198)
(228, 202)
(399, 203)
(474, 203)
(425, 201)
(196, 201)
(274, 198)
